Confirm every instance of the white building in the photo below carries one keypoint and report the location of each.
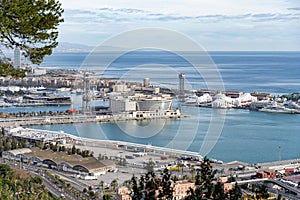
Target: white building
(120, 88)
(245, 99)
(222, 101)
(120, 104)
(146, 82)
(39, 71)
(195, 100)
(15, 154)
(17, 57)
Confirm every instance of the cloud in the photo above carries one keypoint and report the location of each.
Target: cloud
(124, 10)
(218, 24)
(297, 8)
(102, 15)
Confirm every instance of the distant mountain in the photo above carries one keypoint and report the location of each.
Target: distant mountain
(71, 47)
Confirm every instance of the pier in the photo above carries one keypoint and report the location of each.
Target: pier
(76, 118)
(52, 136)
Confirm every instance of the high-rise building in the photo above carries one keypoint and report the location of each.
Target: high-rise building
(146, 82)
(181, 84)
(17, 57)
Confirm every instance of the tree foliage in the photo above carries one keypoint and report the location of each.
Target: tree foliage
(8, 70)
(261, 192)
(30, 25)
(151, 187)
(12, 186)
(166, 189)
(207, 189)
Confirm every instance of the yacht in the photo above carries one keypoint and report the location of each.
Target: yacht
(277, 108)
(4, 104)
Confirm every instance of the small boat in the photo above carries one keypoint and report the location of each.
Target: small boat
(63, 89)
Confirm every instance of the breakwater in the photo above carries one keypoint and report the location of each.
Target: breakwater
(76, 118)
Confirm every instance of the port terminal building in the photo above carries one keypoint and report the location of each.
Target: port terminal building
(60, 160)
(143, 105)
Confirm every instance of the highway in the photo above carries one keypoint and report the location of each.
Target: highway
(294, 190)
(285, 186)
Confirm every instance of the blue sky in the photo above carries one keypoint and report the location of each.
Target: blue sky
(214, 24)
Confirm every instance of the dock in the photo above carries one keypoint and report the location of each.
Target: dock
(72, 119)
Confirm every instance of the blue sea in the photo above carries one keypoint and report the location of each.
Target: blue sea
(273, 72)
(247, 136)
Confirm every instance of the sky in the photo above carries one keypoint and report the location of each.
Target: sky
(216, 25)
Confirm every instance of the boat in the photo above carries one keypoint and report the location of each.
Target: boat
(63, 89)
(277, 108)
(79, 92)
(4, 104)
(191, 100)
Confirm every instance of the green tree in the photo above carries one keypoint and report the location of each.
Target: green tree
(102, 184)
(14, 187)
(206, 176)
(218, 193)
(150, 166)
(166, 189)
(73, 149)
(30, 25)
(262, 192)
(107, 197)
(136, 190)
(196, 194)
(114, 184)
(235, 193)
(7, 70)
(5, 171)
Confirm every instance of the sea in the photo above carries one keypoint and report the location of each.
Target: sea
(243, 135)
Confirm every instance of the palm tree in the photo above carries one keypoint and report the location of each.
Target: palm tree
(192, 170)
(262, 192)
(101, 184)
(114, 184)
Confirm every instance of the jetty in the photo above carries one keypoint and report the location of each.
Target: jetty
(76, 118)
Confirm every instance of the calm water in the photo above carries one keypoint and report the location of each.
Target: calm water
(246, 136)
(274, 72)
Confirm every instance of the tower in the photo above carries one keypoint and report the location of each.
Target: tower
(146, 82)
(181, 86)
(17, 57)
(86, 97)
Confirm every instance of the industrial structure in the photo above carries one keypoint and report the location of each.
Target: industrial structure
(87, 95)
